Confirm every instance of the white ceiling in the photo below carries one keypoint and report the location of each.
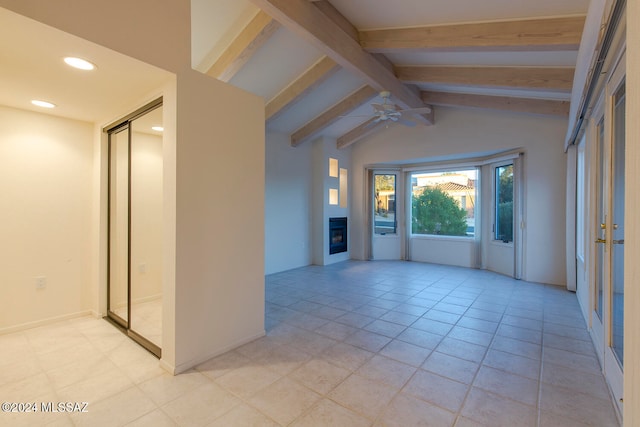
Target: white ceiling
(285, 56)
(32, 67)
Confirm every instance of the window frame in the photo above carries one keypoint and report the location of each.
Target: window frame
(442, 170)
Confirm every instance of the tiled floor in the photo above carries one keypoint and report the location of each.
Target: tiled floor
(353, 344)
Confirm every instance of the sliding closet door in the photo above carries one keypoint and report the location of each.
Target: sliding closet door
(118, 301)
(135, 226)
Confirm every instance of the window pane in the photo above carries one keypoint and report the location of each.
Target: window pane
(385, 204)
(504, 203)
(443, 203)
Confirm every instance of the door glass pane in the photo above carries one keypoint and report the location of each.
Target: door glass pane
(146, 226)
(600, 219)
(617, 216)
(384, 204)
(504, 203)
(119, 223)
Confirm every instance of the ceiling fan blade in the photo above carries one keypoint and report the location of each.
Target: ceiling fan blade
(372, 123)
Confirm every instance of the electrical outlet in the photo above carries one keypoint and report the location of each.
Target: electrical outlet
(41, 282)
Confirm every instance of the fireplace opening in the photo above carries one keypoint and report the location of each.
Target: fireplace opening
(337, 235)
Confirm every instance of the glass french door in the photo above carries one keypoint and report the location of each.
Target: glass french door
(608, 289)
(387, 209)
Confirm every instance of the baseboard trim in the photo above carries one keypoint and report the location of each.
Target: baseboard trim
(183, 367)
(47, 321)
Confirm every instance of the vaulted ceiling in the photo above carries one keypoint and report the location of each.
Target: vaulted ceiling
(319, 64)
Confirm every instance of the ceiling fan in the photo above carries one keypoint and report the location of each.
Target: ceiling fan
(388, 111)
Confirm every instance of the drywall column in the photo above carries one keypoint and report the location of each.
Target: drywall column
(323, 149)
(219, 218)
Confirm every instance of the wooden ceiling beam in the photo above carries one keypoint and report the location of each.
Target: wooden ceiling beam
(309, 80)
(522, 105)
(547, 34)
(333, 114)
(555, 78)
(359, 132)
(308, 21)
(250, 39)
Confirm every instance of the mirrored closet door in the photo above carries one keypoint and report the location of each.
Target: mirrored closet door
(135, 226)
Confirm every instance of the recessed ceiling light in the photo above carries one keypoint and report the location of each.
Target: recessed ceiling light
(79, 63)
(43, 104)
(157, 128)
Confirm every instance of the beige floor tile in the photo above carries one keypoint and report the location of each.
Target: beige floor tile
(96, 387)
(451, 367)
(368, 340)
(329, 413)
(468, 422)
(471, 335)
(571, 360)
(571, 379)
(245, 416)
(155, 418)
(320, 375)
(200, 406)
(581, 407)
(548, 419)
(513, 363)
(388, 371)
(77, 351)
(30, 419)
(420, 338)
(439, 390)
(364, 396)
(405, 352)
(336, 331)
(96, 364)
(409, 411)
(521, 334)
(515, 387)
(27, 389)
(462, 349)
(494, 410)
(19, 370)
(166, 387)
(116, 410)
(346, 356)
(225, 363)
(284, 359)
(521, 348)
(284, 401)
(247, 380)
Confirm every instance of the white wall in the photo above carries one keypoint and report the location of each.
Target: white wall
(457, 133)
(45, 220)
(287, 204)
(443, 250)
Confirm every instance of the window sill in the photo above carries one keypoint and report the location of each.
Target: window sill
(439, 237)
(501, 243)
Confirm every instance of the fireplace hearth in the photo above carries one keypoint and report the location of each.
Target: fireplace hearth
(337, 235)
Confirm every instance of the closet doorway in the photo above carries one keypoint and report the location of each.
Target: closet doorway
(134, 255)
